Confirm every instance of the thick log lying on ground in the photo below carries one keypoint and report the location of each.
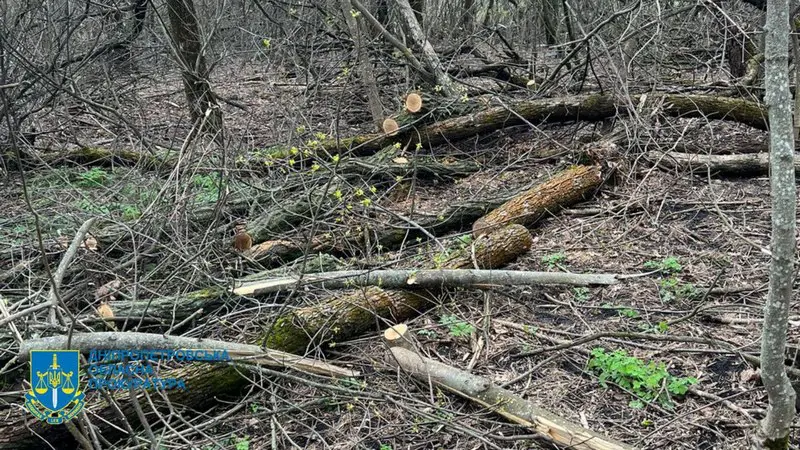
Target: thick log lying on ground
(564, 189)
(749, 164)
(553, 110)
(354, 312)
(502, 401)
(422, 279)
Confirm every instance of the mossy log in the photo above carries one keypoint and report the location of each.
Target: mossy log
(555, 110)
(563, 189)
(351, 313)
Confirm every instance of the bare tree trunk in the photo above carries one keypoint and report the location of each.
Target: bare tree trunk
(429, 56)
(468, 16)
(550, 21)
(776, 425)
(419, 6)
(185, 34)
(365, 71)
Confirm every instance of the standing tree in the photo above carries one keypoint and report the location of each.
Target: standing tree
(776, 426)
(188, 45)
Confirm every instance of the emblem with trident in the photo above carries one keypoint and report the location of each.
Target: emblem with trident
(53, 376)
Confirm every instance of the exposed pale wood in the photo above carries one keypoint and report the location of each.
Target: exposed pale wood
(398, 336)
(413, 103)
(503, 402)
(390, 126)
(422, 279)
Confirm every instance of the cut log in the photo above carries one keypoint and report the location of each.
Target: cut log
(501, 401)
(563, 189)
(351, 313)
(422, 279)
(398, 336)
(555, 110)
(413, 103)
(390, 126)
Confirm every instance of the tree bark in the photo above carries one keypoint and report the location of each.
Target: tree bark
(429, 55)
(776, 426)
(746, 164)
(188, 43)
(363, 63)
(563, 189)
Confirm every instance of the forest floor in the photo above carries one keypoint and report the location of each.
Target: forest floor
(687, 230)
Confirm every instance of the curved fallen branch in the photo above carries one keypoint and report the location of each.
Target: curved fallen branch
(501, 401)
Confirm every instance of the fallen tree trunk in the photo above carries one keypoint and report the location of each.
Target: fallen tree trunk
(746, 164)
(563, 189)
(347, 315)
(554, 110)
(422, 279)
(501, 401)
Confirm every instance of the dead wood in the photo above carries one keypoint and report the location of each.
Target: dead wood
(501, 401)
(555, 110)
(354, 312)
(252, 354)
(744, 164)
(422, 279)
(563, 189)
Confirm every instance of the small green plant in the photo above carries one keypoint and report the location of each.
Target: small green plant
(130, 212)
(456, 326)
(629, 313)
(430, 334)
(241, 443)
(668, 265)
(647, 381)
(94, 208)
(673, 289)
(94, 177)
(581, 294)
(554, 259)
(209, 186)
(386, 447)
